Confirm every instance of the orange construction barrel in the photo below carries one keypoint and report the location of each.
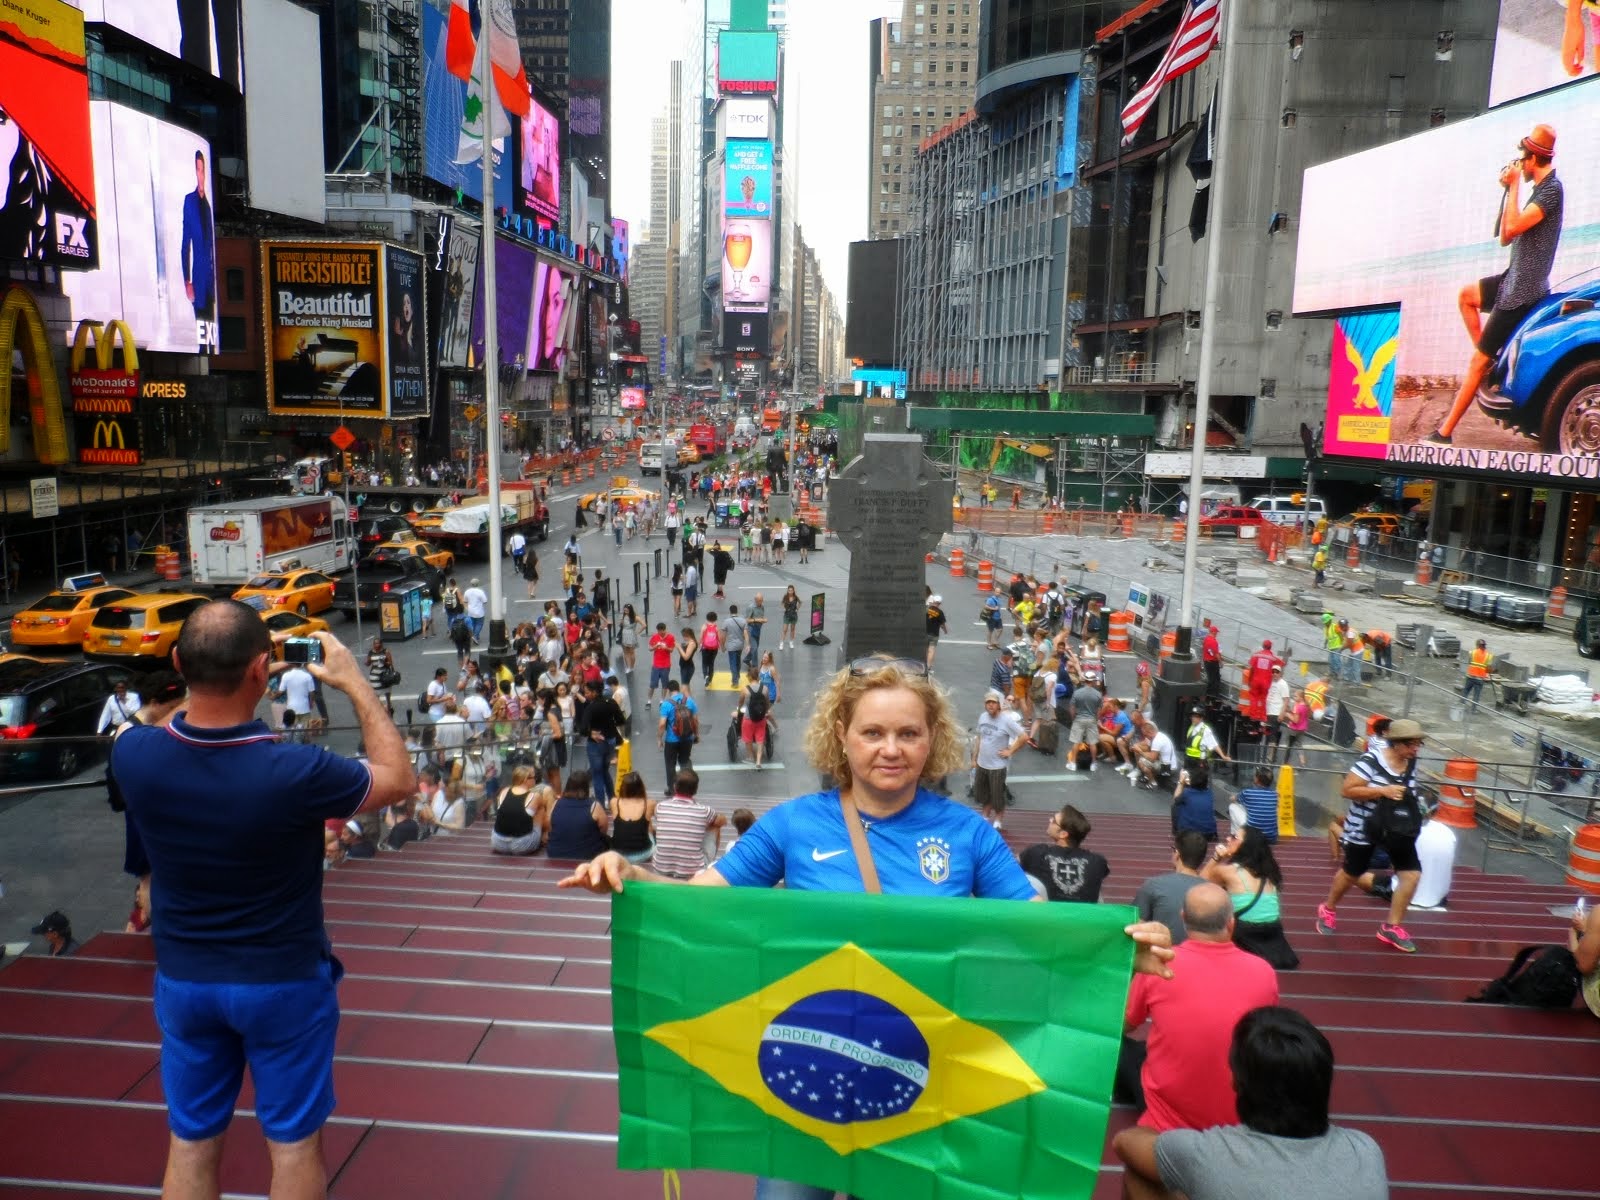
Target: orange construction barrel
(1352, 556)
(174, 569)
(986, 577)
(958, 562)
(1583, 860)
(1179, 528)
(566, 475)
(1458, 801)
(1118, 637)
(1050, 522)
(1558, 602)
(1169, 643)
(1424, 570)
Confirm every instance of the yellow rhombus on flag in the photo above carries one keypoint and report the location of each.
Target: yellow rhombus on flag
(883, 1046)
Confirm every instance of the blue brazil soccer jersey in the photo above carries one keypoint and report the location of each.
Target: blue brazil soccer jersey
(932, 847)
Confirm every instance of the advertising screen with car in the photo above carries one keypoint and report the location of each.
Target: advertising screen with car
(1541, 44)
(1467, 324)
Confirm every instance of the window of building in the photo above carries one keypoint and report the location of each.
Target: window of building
(888, 110)
(894, 207)
(883, 188)
(894, 69)
(883, 206)
(916, 131)
(916, 30)
(899, 110)
(887, 150)
(888, 130)
(919, 12)
(233, 281)
(897, 187)
(916, 69)
(232, 331)
(964, 66)
(899, 131)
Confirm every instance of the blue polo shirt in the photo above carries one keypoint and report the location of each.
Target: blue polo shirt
(932, 847)
(232, 821)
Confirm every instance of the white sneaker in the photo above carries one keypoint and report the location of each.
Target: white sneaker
(1072, 766)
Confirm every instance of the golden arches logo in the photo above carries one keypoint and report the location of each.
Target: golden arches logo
(103, 338)
(44, 389)
(108, 435)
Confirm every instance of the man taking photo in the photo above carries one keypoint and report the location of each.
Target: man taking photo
(232, 820)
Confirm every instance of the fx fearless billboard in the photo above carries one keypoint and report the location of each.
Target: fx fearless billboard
(333, 324)
(746, 265)
(747, 179)
(47, 176)
(1468, 327)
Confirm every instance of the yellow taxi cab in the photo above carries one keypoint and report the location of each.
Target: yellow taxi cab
(60, 618)
(285, 625)
(304, 592)
(688, 452)
(140, 626)
(627, 497)
(433, 555)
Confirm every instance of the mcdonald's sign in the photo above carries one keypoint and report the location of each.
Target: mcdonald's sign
(22, 328)
(107, 443)
(103, 388)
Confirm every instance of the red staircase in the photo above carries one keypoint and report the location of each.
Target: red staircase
(475, 1052)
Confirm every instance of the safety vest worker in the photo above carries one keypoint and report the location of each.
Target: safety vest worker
(1480, 661)
(1332, 635)
(1200, 741)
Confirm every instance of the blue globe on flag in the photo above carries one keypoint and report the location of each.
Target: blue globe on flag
(844, 1056)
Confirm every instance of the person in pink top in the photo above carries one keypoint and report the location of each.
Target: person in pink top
(1186, 1080)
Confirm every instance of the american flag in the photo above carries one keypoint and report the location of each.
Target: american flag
(1198, 32)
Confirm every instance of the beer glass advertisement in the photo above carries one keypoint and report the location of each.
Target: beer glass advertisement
(1467, 327)
(1541, 44)
(158, 268)
(746, 265)
(555, 317)
(323, 328)
(747, 179)
(408, 343)
(47, 175)
(455, 314)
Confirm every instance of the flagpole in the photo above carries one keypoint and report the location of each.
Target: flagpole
(497, 649)
(1211, 317)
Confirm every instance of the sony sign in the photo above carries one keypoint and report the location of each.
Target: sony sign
(746, 118)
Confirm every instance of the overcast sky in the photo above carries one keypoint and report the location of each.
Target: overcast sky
(826, 109)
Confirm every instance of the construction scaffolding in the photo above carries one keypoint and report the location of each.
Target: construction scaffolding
(936, 289)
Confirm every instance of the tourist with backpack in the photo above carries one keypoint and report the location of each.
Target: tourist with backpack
(710, 643)
(754, 707)
(1385, 810)
(677, 727)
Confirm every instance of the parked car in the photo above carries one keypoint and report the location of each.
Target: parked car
(1232, 518)
(304, 592)
(140, 630)
(40, 700)
(364, 588)
(1291, 510)
(1545, 384)
(60, 618)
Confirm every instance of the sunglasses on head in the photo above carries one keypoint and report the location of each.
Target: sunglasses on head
(873, 663)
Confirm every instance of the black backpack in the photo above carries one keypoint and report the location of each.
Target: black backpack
(755, 702)
(1538, 977)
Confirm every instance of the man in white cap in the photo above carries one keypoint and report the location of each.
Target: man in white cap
(936, 624)
(1000, 735)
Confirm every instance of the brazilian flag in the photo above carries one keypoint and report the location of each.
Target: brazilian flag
(882, 1046)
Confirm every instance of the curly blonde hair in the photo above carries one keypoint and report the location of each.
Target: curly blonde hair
(836, 704)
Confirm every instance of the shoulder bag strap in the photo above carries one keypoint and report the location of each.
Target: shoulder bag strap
(1261, 886)
(858, 843)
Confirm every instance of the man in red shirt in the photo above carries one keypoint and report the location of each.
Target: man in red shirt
(1211, 658)
(1187, 1082)
(662, 644)
(1259, 679)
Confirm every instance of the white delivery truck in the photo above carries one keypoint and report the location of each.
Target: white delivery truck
(657, 457)
(233, 542)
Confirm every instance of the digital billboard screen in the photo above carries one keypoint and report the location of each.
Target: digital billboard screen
(514, 267)
(541, 163)
(204, 33)
(455, 310)
(745, 333)
(44, 138)
(746, 265)
(449, 139)
(747, 62)
(747, 178)
(555, 317)
(325, 324)
(1540, 44)
(631, 397)
(621, 245)
(1468, 327)
(158, 267)
(405, 324)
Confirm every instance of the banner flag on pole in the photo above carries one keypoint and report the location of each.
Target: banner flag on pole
(880, 1046)
(505, 55)
(1197, 34)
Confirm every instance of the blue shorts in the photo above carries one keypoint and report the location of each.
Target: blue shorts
(283, 1031)
(659, 677)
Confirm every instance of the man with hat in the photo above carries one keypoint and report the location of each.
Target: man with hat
(1211, 658)
(1385, 811)
(1000, 735)
(1200, 740)
(57, 933)
(1278, 696)
(1533, 231)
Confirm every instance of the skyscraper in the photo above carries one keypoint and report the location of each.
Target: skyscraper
(924, 73)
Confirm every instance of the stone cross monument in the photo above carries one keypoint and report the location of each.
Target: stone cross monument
(889, 506)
